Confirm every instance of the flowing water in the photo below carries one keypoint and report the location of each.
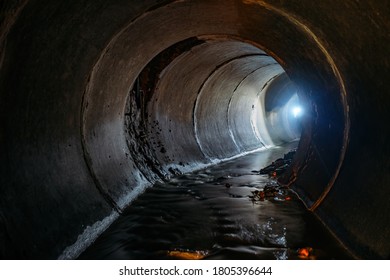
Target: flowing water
(213, 214)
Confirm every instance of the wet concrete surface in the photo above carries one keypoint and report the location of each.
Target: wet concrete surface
(215, 214)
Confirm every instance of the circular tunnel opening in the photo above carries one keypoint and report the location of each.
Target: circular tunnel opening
(210, 92)
(208, 99)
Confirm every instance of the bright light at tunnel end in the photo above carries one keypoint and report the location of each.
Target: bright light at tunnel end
(297, 111)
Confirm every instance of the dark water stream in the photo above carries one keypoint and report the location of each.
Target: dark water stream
(211, 214)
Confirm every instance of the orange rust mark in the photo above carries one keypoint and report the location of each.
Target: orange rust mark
(187, 255)
(305, 253)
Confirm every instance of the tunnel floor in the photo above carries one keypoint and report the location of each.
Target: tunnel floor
(212, 214)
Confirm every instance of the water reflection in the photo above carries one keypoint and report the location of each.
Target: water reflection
(210, 215)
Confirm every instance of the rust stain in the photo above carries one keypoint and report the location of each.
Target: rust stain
(305, 253)
(187, 255)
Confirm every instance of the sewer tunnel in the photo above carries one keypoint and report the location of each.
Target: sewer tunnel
(100, 100)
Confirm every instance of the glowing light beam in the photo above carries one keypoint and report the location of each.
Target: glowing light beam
(297, 111)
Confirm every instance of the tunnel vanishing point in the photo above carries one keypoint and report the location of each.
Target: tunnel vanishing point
(100, 99)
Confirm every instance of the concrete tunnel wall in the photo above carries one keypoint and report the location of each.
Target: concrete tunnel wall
(77, 144)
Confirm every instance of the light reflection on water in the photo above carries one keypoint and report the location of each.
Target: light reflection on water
(208, 214)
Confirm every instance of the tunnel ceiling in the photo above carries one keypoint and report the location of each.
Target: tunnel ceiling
(100, 100)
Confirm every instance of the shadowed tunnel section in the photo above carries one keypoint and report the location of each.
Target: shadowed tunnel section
(100, 100)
